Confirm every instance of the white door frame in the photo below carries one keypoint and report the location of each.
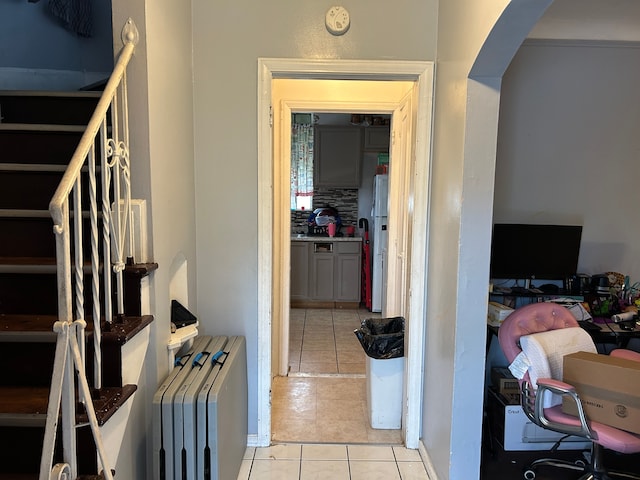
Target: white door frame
(338, 96)
(270, 239)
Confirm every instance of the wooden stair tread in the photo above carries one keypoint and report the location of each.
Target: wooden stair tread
(51, 93)
(109, 401)
(35, 476)
(35, 265)
(28, 261)
(41, 127)
(24, 213)
(23, 401)
(28, 405)
(19, 476)
(122, 330)
(140, 269)
(15, 323)
(39, 167)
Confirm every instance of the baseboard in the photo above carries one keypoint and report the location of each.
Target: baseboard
(426, 461)
(324, 304)
(252, 440)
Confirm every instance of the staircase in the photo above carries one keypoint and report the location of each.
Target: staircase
(39, 133)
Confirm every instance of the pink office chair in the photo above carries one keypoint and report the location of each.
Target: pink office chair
(543, 317)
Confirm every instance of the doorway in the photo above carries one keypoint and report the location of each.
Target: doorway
(321, 396)
(316, 421)
(326, 309)
(410, 187)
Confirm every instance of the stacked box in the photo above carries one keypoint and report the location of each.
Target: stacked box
(506, 384)
(496, 313)
(609, 389)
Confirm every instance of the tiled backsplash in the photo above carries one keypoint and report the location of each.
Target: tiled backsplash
(345, 200)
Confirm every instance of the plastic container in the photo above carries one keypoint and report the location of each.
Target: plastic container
(383, 341)
(384, 392)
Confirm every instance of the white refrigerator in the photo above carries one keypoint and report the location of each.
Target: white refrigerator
(379, 241)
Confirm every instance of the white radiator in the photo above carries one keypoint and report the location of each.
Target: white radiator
(200, 412)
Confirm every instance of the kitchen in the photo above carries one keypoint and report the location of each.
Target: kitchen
(330, 227)
(350, 164)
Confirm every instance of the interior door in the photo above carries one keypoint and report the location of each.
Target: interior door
(399, 225)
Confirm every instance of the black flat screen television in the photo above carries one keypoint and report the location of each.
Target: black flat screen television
(527, 251)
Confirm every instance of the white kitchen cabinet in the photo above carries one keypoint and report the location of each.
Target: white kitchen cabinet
(338, 155)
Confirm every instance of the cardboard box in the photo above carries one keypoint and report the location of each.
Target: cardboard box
(609, 389)
(513, 430)
(496, 313)
(505, 383)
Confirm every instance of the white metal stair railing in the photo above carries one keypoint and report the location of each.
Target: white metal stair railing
(114, 173)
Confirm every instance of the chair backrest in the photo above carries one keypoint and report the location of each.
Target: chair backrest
(532, 318)
(538, 336)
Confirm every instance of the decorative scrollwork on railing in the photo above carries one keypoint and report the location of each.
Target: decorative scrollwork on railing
(119, 153)
(118, 164)
(60, 471)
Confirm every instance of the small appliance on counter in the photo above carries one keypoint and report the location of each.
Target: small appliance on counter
(319, 220)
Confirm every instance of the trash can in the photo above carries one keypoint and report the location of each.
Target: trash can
(383, 341)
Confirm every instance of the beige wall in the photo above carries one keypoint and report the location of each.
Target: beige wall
(161, 125)
(480, 37)
(568, 138)
(228, 40)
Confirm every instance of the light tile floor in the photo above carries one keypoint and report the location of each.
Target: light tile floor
(322, 341)
(323, 400)
(332, 462)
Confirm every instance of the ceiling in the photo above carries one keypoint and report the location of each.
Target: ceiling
(594, 20)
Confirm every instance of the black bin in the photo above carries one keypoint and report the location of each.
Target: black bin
(382, 338)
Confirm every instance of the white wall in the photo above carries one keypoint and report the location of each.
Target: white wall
(568, 147)
(161, 124)
(479, 43)
(228, 40)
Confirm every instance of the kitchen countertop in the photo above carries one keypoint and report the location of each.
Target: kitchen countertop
(316, 238)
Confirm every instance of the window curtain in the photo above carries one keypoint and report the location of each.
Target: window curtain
(301, 163)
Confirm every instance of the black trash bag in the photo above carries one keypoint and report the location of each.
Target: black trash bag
(382, 338)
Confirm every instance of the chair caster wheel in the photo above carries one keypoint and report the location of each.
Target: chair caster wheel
(529, 474)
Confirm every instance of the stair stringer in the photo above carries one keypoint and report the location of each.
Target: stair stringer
(125, 457)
